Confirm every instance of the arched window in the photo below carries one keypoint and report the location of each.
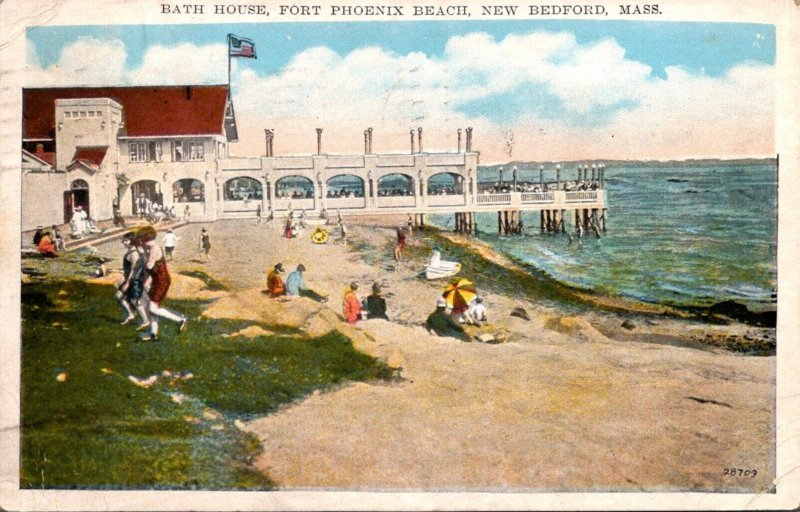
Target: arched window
(395, 185)
(242, 188)
(345, 185)
(188, 191)
(294, 187)
(79, 185)
(445, 183)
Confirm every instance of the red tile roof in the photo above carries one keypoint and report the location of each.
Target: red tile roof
(90, 156)
(48, 157)
(148, 111)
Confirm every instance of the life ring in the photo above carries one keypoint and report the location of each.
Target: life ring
(319, 236)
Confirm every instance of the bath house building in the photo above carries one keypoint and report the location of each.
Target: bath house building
(134, 147)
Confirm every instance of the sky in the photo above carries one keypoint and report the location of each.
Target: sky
(531, 90)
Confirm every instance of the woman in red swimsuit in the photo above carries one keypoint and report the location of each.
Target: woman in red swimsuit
(158, 280)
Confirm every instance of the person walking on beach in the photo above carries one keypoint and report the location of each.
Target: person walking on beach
(275, 286)
(205, 245)
(343, 230)
(442, 324)
(375, 304)
(158, 280)
(170, 240)
(130, 290)
(351, 306)
(410, 224)
(287, 230)
(401, 244)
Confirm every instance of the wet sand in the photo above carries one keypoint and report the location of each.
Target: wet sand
(572, 403)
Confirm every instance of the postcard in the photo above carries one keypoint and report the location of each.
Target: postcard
(337, 255)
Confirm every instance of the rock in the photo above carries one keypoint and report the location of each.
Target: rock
(211, 414)
(62, 377)
(485, 338)
(395, 359)
(520, 313)
(628, 324)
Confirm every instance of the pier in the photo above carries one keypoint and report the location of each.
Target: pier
(416, 184)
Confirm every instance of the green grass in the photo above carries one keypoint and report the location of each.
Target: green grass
(98, 430)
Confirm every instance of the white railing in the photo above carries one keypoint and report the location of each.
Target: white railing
(395, 201)
(294, 204)
(345, 202)
(446, 200)
(581, 196)
(240, 206)
(494, 198)
(538, 197)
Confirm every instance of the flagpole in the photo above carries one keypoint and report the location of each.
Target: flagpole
(228, 51)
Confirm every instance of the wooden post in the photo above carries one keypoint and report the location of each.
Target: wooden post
(578, 223)
(549, 220)
(541, 220)
(603, 219)
(500, 223)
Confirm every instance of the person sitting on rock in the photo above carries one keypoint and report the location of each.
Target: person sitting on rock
(275, 286)
(375, 304)
(46, 246)
(351, 305)
(296, 286)
(476, 314)
(442, 324)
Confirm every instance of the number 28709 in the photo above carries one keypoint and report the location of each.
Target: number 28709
(740, 472)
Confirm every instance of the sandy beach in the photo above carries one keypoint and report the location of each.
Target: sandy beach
(571, 402)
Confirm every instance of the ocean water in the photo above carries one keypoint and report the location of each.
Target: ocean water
(687, 235)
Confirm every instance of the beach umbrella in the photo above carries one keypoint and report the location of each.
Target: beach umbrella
(459, 292)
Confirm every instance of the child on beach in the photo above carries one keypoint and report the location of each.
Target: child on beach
(401, 244)
(351, 305)
(170, 240)
(205, 245)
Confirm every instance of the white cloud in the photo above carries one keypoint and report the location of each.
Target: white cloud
(600, 103)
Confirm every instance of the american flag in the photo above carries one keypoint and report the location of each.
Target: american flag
(241, 47)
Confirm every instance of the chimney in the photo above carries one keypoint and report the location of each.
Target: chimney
(419, 138)
(366, 142)
(319, 141)
(469, 140)
(412, 141)
(459, 140)
(369, 132)
(269, 135)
